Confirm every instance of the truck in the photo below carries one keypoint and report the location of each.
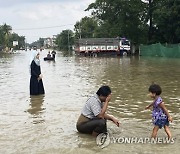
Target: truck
(102, 46)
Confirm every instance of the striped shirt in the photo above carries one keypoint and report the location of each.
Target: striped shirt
(93, 107)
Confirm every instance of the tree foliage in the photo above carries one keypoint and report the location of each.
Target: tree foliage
(5, 34)
(20, 39)
(146, 21)
(166, 22)
(85, 28)
(65, 40)
(7, 38)
(120, 18)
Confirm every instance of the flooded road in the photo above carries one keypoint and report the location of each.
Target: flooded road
(47, 124)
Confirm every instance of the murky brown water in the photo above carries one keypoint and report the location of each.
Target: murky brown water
(46, 124)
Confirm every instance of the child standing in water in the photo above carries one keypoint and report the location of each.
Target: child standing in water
(160, 114)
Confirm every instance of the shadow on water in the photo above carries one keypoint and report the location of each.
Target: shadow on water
(36, 108)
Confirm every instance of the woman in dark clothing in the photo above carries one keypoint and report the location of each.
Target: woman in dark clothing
(36, 84)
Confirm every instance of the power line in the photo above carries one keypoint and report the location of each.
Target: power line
(42, 27)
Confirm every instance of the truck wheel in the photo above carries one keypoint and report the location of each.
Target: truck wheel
(124, 53)
(94, 54)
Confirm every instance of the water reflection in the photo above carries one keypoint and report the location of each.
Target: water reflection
(36, 108)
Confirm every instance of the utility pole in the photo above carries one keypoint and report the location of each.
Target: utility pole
(25, 44)
(79, 31)
(68, 41)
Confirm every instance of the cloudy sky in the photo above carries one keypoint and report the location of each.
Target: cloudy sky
(42, 18)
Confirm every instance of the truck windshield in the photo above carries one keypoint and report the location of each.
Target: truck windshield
(125, 42)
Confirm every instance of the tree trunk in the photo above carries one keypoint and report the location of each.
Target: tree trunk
(150, 32)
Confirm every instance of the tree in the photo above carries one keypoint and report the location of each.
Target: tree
(167, 21)
(141, 21)
(1, 36)
(6, 29)
(85, 28)
(16, 37)
(121, 18)
(7, 38)
(41, 42)
(65, 40)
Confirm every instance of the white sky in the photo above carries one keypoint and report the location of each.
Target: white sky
(24, 14)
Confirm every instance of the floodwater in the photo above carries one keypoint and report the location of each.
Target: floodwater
(47, 124)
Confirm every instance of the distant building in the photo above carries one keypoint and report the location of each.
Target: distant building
(49, 42)
(54, 39)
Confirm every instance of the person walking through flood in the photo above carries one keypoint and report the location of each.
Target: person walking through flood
(36, 84)
(93, 116)
(53, 54)
(160, 114)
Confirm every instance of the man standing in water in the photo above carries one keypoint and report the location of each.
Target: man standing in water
(53, 54)
(93, 116)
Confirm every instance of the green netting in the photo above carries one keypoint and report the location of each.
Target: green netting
(159, 50)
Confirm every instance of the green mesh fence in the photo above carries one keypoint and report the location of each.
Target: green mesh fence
(159, 50)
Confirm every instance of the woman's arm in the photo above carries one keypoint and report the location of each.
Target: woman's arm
(166, 111)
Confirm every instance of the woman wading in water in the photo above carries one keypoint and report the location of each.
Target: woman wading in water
(36, 84)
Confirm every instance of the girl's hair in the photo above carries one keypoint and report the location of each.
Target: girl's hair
(155, 88)
(104, 91)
